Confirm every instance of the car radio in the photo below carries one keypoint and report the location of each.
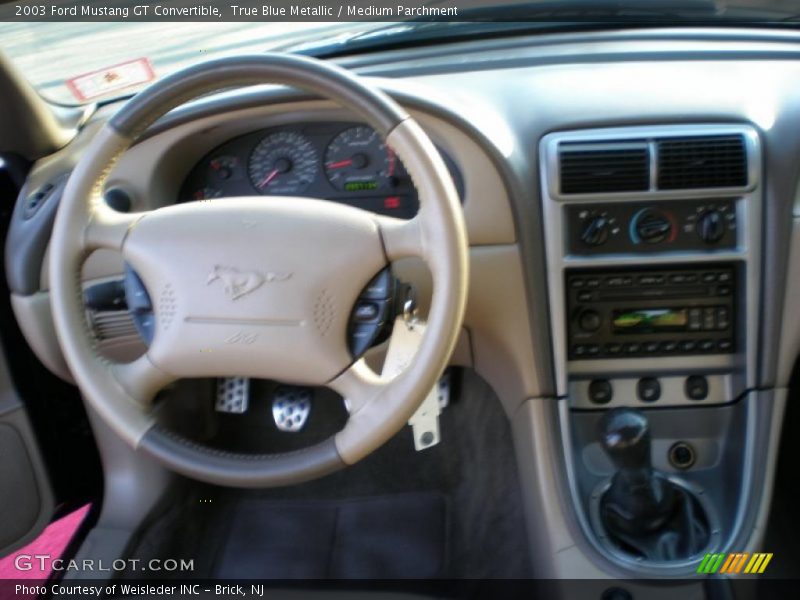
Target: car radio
(652, 312)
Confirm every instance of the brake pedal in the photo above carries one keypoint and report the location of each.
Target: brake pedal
(233, 395)
(291, 407)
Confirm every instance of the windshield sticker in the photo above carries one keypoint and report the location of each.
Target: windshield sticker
(111, 79)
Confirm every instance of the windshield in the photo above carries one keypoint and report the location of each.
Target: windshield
(80, 62)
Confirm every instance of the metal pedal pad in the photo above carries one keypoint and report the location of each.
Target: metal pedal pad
(233, 395)
(291, 407)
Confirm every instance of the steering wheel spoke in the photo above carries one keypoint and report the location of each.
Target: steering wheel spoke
(401, 239)
(141, 379)
(358, 385)
(108, 228)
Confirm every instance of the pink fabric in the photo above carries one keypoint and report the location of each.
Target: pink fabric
(52, 541)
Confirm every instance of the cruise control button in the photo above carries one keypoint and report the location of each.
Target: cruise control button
(648, 389)
(366, 311)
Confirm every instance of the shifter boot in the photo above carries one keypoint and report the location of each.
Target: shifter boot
(643, 512)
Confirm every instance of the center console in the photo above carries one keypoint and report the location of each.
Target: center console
(653, 250)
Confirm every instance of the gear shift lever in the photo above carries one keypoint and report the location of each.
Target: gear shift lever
(640, 500)
(643, 511)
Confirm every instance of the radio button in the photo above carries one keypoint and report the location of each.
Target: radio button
(695, 315)
(600, 391)
(584, 296)
(613, 348)
(651, 279)
(709, 318)
(648, 389)
(724, 277)
(592, 349)
(589, 320)
(706, 345)
(593, 282)
(631, 348)
(678, 278)
(725, 345)
(579, 350)
(724, 290)
(651, 347)
(576, 283)
(723, 317)
(710, 277)
(669, 346)
(691, 278)
(688, 345)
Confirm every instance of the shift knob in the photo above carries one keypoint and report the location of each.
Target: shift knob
(625, 436)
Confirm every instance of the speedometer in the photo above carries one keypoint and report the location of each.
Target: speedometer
(283, 163)
(357, 160)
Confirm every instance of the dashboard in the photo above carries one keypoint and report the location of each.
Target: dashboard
(343, 162)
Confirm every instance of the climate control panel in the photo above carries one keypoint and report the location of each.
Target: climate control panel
(651, 227)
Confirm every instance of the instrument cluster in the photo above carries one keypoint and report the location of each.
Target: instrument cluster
(342, 162)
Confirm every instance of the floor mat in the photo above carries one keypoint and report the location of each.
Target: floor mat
(399, 536)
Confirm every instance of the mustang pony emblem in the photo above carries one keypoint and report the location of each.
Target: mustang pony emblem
(238, 283)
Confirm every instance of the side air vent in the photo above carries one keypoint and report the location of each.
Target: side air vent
(591, 168)
(715, 161)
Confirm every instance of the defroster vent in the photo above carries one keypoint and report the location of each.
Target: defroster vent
(597, 167)
(715, 161)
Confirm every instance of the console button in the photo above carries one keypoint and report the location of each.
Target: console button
(600, 391)
(648, 389)
(678, 278)
(688, 346)
(724, 290)
(579, 350)
(651, 347)
(696, 387)
(613, 348)
(577, 283)
(710, 277)
(725, 345)
(592, 349)
(584, 296)
(593, 282)
(724, 277)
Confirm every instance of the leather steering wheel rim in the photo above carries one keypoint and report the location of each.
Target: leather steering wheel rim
(121, 394)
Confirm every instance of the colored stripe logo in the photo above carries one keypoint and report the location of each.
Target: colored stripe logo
(735, 562)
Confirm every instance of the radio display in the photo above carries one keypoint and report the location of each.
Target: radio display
(647, 320)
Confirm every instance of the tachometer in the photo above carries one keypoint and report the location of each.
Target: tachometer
(357, 160)
(284, 162)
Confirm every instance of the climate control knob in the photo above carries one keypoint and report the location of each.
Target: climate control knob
(653, 226)
(711, 226)
(596, 230)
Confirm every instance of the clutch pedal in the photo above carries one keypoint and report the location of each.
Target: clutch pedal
(233, 395)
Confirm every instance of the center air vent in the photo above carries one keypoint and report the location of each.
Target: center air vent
(591, 168)
(716, 161)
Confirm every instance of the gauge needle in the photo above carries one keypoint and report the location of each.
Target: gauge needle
(340, 164)
(268, 178)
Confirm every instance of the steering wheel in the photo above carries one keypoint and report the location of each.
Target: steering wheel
(310, 259)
